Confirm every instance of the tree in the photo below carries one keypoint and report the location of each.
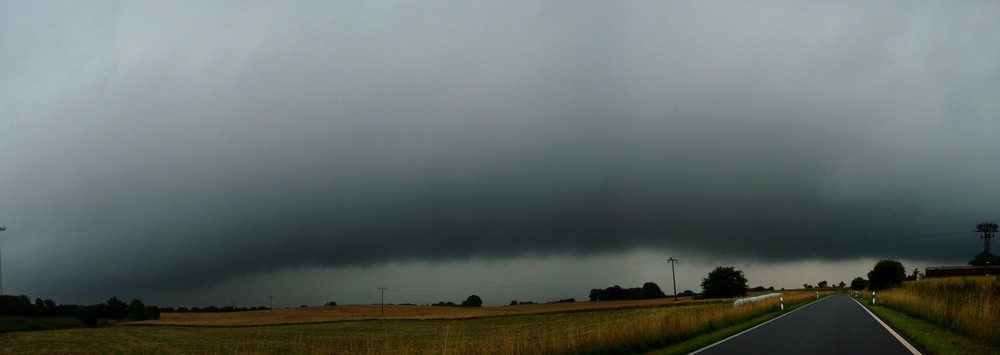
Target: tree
(916, 275)
(114, 308)
(823, 284)
(983, 259)
(138, 311)
(886, 274)
(652, 290)
(472, 301)
(724, 282)
(859, 284)
(841, 284)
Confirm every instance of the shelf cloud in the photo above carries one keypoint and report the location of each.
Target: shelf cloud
(176, 146)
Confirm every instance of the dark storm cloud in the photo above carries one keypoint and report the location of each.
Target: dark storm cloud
(155, 145)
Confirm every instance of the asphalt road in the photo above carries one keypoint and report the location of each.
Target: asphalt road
(834, 325)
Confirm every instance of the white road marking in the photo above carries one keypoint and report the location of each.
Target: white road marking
(901, 340)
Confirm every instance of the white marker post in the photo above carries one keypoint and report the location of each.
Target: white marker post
(782, 299)
(873, 297)
(817, 294)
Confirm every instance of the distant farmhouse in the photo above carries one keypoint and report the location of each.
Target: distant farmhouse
(953, 271)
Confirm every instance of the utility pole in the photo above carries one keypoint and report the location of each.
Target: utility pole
(383, 289)
(2, 228)
(673, 275)
(987, 230)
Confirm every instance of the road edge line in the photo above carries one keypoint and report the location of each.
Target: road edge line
(754, 327)
(905, 343)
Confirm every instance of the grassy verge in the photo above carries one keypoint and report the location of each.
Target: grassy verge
(933, 338)
(946, 315)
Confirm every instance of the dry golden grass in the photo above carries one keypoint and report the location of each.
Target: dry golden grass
(969, 305)
(396, 312)
(624, 327)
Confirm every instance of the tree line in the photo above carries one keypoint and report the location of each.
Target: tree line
(648, 290)
(22, 306)
(113, 308)
(472, 301)
(214, 309)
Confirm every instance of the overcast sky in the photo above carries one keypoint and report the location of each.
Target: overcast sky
(221, 151)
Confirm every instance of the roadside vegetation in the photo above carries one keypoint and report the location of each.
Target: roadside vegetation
(967, 305)
(610, 330)
(933, 338)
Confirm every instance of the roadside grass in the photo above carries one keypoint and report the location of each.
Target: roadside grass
(965, 305)
(25, 323)
(627, 330)
(931, 337)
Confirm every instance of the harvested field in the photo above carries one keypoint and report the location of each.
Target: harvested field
(397, 312)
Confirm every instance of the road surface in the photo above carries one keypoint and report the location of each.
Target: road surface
(834, 325)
